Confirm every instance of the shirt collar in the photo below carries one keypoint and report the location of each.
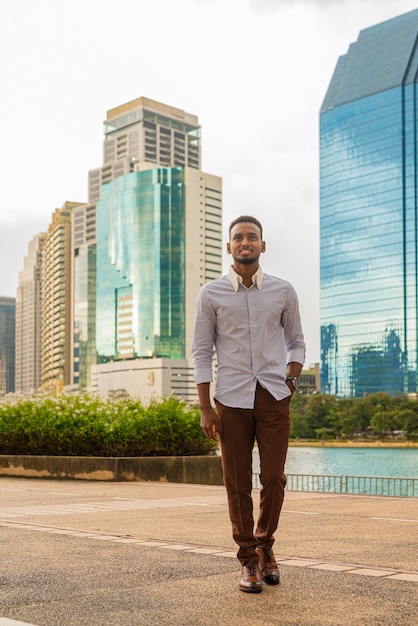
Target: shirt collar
(235, 278)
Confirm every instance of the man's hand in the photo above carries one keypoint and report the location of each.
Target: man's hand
(209, 422)
(291, 387)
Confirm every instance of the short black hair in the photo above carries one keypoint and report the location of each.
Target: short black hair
(246, 218)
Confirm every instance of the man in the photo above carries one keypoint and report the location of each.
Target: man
(253, 321)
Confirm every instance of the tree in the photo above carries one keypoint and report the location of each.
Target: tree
(320, 412)
(408, 420)
(350, 418)
(384, 422)
(299, 426)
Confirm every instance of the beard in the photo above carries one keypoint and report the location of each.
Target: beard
(246, 260)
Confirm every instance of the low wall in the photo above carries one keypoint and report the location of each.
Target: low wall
(203, 470)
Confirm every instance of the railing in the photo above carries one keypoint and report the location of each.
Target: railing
(364, 485)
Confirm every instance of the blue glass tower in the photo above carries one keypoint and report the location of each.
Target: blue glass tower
(368, 214)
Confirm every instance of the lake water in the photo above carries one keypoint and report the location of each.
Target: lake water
(401, 462)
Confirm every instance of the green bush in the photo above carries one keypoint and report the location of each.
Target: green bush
(77, 425)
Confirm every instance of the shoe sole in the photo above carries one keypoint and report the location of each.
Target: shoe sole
(251, 590)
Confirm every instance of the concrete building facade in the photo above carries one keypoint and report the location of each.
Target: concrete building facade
(57, 301)
(148, 379)
(29, 319)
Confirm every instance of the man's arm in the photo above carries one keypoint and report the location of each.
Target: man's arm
(202, 352)
(293, 335)
(209, 420)
(203, 340)
(294, 340)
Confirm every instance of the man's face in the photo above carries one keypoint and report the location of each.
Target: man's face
(245, 243)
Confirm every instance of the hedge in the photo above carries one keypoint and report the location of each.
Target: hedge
(81, 425)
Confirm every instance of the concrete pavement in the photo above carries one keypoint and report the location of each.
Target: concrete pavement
(133, 553)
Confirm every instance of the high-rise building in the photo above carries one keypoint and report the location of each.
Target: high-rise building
(83, 246)
(369, 217)
(29, 319)
(145, 131)
(7, 345)
(158, 239)
(57, 301)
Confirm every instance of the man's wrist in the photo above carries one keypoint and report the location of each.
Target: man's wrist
(294, 381)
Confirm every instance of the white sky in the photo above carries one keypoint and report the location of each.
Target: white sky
(255, 73)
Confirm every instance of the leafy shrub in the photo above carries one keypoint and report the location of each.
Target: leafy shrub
(80, 425)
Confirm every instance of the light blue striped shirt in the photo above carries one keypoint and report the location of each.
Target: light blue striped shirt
(256, 332)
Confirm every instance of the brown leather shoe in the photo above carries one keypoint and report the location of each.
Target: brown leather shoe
(251, 579)
(268, 566)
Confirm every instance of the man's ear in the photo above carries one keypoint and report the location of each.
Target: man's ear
(263, 246)
(228, 247)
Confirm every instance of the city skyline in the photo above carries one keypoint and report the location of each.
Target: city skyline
(116, 279)
(272, 61)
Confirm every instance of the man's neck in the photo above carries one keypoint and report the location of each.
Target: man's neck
(246, 272)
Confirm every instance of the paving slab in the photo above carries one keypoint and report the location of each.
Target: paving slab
(100, 553)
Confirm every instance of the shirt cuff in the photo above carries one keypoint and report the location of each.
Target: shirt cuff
(203, 377)
(297, 356)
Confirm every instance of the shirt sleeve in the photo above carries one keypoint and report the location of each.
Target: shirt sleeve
(292, 329)
(203, 339)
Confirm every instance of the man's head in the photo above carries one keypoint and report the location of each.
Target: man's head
(245, 241)
(246, 218)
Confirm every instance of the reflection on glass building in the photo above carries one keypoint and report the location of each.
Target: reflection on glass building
(7, 345)
(84, 294)
(140, 266)
(369, 204)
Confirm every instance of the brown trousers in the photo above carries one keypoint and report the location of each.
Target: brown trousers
(268, 424)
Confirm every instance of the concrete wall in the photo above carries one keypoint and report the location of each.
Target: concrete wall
(203, 470)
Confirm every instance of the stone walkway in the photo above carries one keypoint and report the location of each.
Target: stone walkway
(136, 553)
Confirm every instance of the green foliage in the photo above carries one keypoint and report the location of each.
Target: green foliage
(377, 415)
(74, 425)
(312, 416)
(80, 425)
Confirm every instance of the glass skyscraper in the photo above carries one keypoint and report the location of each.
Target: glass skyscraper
(84, 294)
(369, 214)
(7, 345)
(141, 266)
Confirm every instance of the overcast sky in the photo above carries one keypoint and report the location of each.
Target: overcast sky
(255, 73)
